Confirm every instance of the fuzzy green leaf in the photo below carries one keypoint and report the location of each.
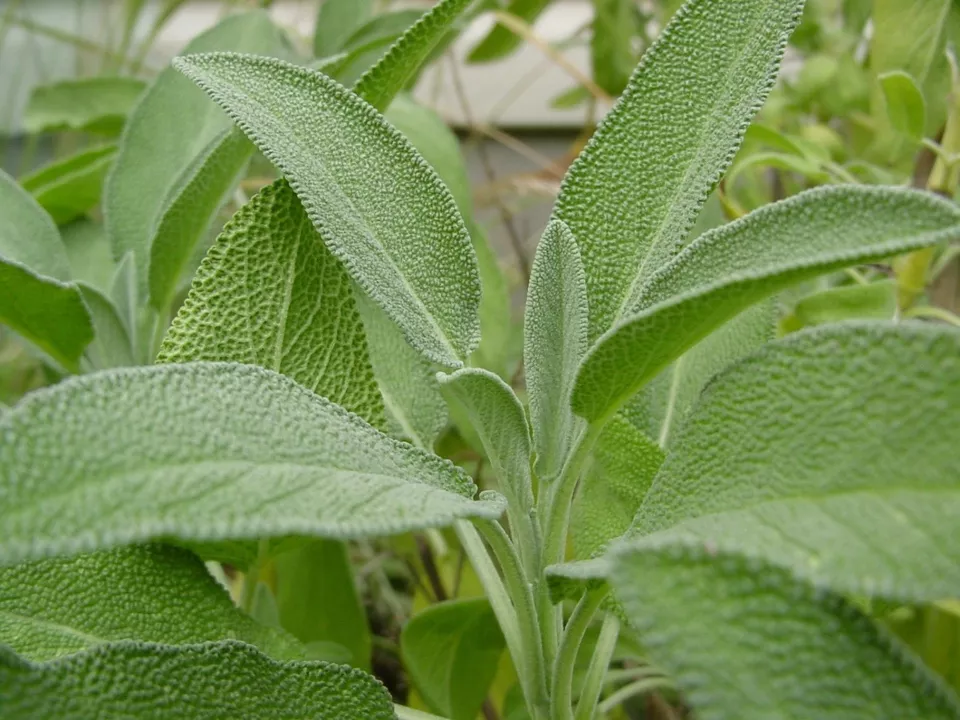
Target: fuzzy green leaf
(408, 250)
(198, 192)
(96, 104)
(746, 641)
(859, 448)
(67, 189)
(380, 84)
(36, 301)
(635, 191)
(452, 651)
(207, 681)
(502, 41)
(367, 46)
(877, 300)
(318, 602)
(111, 346)
(150, 593)
(613, 486)
(906, 108)
(207, 452)
(88, 252)
(554, 343)
(726, 270)
(171, 126)
(336, 22)
(269, 293)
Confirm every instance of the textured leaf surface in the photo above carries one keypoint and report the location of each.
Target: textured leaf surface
(377, 205)
(393, 71)
(204, 682)
(613, 486)
(728, 269)
(452, 651)
(497, 416)
(207, 452)
(269, 293)
(817, 450)
(171, 125)
(150, 593)
(186, 216)
(36, 301)
(635, 191)
(501, 41)
(788, 652)
(336, 21)
(69, 188)
(97, 104)
(554, 343)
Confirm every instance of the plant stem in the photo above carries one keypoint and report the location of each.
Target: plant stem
(561, 688)
(640, 687)
(405, 713)
(522, 595)
(597, 671)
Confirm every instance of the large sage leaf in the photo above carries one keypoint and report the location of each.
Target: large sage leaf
(269, 293)
(206, 681)
(409, 249)
(554, 343)
(451, 651)
(95, 104)
(150, 593)
(37, 301)
(207, 452)
(747, 641)
(635, 191)
(859, 448)
(69, 188)
(171, 126)
(726, 270)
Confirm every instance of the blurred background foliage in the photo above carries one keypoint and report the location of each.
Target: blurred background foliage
(869, 93)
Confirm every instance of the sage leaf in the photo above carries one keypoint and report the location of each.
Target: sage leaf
(788, 651)
(877, 300)
(554, 343)
(198, 192)
(317, 599)
(171, 125)
(69, 188)
(336, 21)
(635, 191)
(88, 253)
(149, 593)
(906, 107)
(501, 40)
(847, 461)
(726, 270)
(111, 345)
(95, 105)
(613, 486)
(411, 254)
(368, 45)
(302, 323)
(205, 681)
(451, 651)
(37, 301)
(615, 23)
(207, 452)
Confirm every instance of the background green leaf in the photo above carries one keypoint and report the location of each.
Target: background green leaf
(95, 104)
(336, 21)
(501, 40)
(906, 108)
(68, 188)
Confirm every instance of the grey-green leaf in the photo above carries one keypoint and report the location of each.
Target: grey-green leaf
(451, 651)
(635, 191)
(111, 346)
(269, 293)
(28, 236)
(184, 219)
(69, 188)
(169, 128)
(554, 343)
(336, 22)
(818, 449)
(613, 486)
(877, 300)
(149, 593)
(726, 270)
(94, 104)
(377, 205)
(207, 452)
(207, 681)
(746, 641)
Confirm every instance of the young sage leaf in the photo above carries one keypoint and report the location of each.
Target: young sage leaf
(111, 345)
(69, 188)
(93, 104)
(205, 681)
(207, 452)
(635, 191)
(848, 460)
(726, 270)
(408, 249)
